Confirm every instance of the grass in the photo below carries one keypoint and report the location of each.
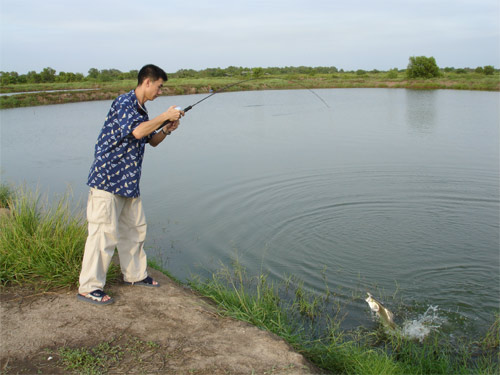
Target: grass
(118, 353)
(41, 244)
(492, 338)
(91, 360)
(5, 195)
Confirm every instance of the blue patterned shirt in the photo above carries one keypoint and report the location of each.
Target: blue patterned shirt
(118, 154)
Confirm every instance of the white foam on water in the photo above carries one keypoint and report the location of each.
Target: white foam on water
(421, 327)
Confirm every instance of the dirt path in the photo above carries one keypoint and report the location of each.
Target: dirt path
(166, 330)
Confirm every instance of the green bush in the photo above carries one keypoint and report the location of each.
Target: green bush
(489, 70)
(392, 74)
(422, 67)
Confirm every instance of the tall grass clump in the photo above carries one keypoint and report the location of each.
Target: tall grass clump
(259, 306)
(311, 322)
(41, 244)
(5, 195)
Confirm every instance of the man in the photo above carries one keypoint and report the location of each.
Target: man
(114, 209)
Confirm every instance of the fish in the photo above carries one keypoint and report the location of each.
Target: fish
(386, 316)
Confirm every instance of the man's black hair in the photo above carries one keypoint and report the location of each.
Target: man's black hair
(151, 71)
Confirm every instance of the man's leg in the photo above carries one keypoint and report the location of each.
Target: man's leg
(103, 210)
(132, 234)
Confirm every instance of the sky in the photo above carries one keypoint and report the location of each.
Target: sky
(75, 36)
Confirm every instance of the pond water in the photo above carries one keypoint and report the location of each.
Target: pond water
(390, 191)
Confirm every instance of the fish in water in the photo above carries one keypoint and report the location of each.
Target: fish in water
(383, 313)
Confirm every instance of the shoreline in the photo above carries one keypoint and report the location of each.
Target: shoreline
(16, 96)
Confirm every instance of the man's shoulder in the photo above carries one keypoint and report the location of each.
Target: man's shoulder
(127, 98)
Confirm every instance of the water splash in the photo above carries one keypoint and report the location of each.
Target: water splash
(421, 327)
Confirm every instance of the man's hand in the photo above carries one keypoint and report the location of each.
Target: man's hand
(166, 130)
(173, 114)
(171, 126)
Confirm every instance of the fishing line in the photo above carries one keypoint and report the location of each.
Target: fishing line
(243, 81)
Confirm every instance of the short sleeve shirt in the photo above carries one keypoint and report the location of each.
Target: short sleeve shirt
(118, 154)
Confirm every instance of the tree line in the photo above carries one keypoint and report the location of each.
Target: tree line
(418, 67)
(48, 75)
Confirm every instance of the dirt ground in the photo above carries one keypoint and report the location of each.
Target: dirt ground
(166, 330)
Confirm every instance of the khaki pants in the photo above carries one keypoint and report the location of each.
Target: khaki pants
(113, 222)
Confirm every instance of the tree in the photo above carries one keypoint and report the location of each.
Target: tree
(48, 75)
(108, 75)
(69, 77)
(33, 77)
(185, 73)
(7, 78)
(93, 73)
(489, 70)
(257, 72)
(393, 73)
(422, 67)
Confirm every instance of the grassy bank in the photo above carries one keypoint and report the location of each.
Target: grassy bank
(88, 91)
(41, 246)
(259, 302)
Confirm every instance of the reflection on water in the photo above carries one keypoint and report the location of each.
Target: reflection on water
(421, 110)
(391, 191)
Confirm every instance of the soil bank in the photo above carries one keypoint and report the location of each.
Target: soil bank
(183, 333)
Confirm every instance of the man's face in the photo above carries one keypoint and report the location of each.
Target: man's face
(153, 88)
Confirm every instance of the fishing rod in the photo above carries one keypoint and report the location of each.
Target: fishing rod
(240, 82)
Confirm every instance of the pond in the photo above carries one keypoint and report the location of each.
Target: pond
(390, 191)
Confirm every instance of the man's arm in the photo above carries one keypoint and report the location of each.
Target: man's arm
(147, 127)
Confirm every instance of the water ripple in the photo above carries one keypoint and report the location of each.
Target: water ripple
(368, 225)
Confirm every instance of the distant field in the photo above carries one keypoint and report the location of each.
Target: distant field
(37, 94)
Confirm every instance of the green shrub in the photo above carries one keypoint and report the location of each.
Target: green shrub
(489, 70)
(422, 67)
(392, 74)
